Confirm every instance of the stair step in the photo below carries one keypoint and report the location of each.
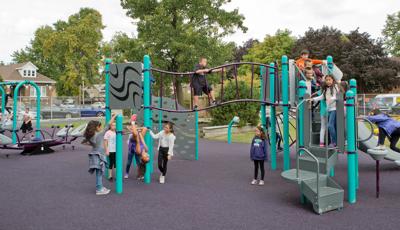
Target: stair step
(291, 176)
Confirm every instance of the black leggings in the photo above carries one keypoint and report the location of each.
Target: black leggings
(163, 160)
(259, 163)
(393, 139)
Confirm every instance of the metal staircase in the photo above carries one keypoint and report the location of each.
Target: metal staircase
(313, 166)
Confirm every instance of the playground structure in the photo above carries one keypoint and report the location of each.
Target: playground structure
(314, 170)
(39, 145)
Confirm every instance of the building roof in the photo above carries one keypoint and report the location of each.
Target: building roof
(10, 73)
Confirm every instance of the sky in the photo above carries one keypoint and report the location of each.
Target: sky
(20, 18)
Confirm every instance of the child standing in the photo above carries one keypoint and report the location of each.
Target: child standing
(94, 137)
(110, 149)
(329, 93)
(259, 154)
(165, 148)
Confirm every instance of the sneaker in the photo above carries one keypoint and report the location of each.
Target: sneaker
(380, 147)
(254, 182)
(110, 179)
(141, 178)
(321, 144)
(261, 182)
(126, 176)
(162, 179)
(214, 102)
(103, 191)
(280, 148)
(332, 145)
(195, 107)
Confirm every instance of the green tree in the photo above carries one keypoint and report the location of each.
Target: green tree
(176, 33)
(68, 51)
(122, 47)
(391, 34)
(248, 112)
(271, 48)
(356, 54)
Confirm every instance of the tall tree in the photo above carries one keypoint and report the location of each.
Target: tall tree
(271, 48)
(356, 54)
(68, 51)
(241, 51)
(391, 33)
(122, 47)
(176, 32)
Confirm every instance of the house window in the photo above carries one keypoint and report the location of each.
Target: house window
(29, 73)
(33, 73)
(43, 91)
(24, 72)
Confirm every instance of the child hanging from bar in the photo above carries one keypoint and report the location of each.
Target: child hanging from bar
(199, 82)
(137, 148)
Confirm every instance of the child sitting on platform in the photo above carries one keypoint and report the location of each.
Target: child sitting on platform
(259, 154)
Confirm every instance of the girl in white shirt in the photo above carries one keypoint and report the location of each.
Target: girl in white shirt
(329, 94)
(165, 148)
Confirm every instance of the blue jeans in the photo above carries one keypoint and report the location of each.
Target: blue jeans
(130, 158)
(99, 179)
(332, 126)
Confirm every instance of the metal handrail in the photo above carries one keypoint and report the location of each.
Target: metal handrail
(372, 128)
(316, 161)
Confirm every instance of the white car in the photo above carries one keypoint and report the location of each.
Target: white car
(99, 105)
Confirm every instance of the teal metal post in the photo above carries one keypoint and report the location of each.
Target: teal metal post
(353, 87)
(351, 148)
(147, 115)
(300, 115)
(263, 106)
(3, 100)
(118, 156)
(285, 101)
(273, 113)
(329, 63)
(234, 120)
(196, 120)
(108, 62)
(15, 109)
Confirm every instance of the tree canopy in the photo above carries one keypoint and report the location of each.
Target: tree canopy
(391, 33)
(67, 51)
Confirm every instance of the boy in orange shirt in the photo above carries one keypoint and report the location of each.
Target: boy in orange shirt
(303, 57)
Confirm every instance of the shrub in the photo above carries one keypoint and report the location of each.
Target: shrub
(247, 112)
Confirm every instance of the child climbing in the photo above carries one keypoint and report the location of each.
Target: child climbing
(137, 148)
(304, 55)
(165, 148)
(110, 149)
(259, 154)
(388, 127)
(200, 84)
(94, 136)
(329, 93)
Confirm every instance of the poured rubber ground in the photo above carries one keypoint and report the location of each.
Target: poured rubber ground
(55, 191)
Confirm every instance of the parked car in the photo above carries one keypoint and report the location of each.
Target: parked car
(59, 113)
(92, 111)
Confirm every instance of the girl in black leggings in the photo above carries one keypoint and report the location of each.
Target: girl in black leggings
(258, 154)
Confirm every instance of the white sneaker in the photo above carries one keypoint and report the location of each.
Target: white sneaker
(254, 182)
(162, 179)
(261, 182)
(380, 147)
(126, 176)
(103, 191)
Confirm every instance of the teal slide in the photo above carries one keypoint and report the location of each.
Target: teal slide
(369, 141)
